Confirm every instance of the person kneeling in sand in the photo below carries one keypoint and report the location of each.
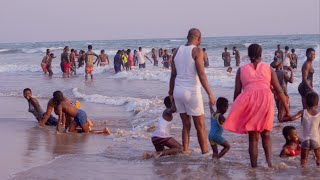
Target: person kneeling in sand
(79, 116)
(161, 137)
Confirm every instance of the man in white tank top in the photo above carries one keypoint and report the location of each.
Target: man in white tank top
(187, 76)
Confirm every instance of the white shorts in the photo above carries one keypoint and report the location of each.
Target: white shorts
(188, 101)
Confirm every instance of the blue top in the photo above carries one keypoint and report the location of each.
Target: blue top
(216, 127)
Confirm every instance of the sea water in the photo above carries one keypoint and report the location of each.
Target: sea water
(129, 103)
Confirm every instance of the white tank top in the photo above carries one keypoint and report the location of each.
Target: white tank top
(310, 127)
(163, 129)
(187, 76)
(286, 59)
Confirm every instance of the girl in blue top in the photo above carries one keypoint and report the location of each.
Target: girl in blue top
(215, 135)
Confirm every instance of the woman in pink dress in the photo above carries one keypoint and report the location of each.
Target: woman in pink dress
(253, 109)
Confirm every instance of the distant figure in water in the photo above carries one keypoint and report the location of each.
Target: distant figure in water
(49, 62)
(215, 135)
(130, 59)
(64, 64)
(161, 137)
(205, 58)
(307, 69)
(283, 79)
(79, 116)
(226, 57)
(252, 111)
(310, 122)
(294, 59)
(292, 146)
(36, 110)
(278, 52)
(166, 60)
(44, 62)
(73, 66)
(187, 77)
(286, 62)
(236, 54)
(89, 62)
(103, 59)
(154, 57)
(160, 53)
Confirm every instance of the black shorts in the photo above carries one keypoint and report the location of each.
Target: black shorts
(142, 65)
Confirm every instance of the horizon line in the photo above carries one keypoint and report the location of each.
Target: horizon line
(122, 39)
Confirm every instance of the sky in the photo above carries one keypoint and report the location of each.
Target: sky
(44, 20)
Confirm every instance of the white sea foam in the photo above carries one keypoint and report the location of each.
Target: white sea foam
(131, 104)
(4, 50)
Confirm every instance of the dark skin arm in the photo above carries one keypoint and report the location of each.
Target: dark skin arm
(238, 86)
(305, 71)
(173, 76)
(221, 119)
(60, 117)
(47, 114)
(294, 117)
(287, 78)
(198, 57)
(278, 90)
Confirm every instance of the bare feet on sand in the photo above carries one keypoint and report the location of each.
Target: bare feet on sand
(106, 131)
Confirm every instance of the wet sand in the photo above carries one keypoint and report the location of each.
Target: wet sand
(39, 153)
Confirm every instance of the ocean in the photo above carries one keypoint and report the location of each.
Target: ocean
(129, 104)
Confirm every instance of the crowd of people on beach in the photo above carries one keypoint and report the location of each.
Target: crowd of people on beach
(257, 86)
(123, 60)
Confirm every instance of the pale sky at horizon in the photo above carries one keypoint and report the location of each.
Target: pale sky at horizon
(43, 20)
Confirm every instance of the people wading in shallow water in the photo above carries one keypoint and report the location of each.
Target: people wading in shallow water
(252, 111)
(187, 77)
(307, 70)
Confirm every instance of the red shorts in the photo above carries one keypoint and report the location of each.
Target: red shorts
(66, 67)
(44, 67)
(89, 69)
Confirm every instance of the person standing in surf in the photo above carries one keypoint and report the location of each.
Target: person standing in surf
(226, 57)
(307, 70)
(236, 54)
(294, 59)
(44, 62)
(252, 111)
(278, 52)
(187, 77)
(205, 58)
(154, 57)
(89, 62)
(286, 62)
(64, 59)
(141, 55)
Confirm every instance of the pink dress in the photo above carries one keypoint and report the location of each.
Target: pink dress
(253, 110)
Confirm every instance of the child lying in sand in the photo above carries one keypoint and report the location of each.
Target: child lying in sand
(161, 137)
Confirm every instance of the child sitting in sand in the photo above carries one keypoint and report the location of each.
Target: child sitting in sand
(161, 137)
(292, 145)
(215, 135)
(310, 121)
